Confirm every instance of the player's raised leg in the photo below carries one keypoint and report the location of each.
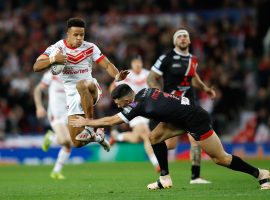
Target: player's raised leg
(90, 93)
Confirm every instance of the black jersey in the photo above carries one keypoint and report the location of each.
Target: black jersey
(164, 107)
(177, 71)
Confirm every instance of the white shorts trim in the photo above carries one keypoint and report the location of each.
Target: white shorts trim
(138, 120)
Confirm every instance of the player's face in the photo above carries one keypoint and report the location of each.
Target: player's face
(75, 36)
(136, 65)
(182, 42)
(121, 103)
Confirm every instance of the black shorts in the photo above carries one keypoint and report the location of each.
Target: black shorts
(200, 125)
(153, 124)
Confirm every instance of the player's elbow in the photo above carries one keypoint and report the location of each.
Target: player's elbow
(36, 67)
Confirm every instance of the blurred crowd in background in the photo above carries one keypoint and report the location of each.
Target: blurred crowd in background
(233, 55)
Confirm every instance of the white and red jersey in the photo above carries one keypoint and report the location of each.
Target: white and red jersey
(135, 81)
(57, 105)
(79, 63)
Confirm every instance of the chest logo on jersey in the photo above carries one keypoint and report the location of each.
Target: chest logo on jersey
(176, 57)
(176, 65)
(79, 57)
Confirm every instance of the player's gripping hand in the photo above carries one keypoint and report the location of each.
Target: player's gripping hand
(122, 75)
(60, 58)
(79, 121)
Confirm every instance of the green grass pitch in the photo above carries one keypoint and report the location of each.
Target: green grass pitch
(127, 180)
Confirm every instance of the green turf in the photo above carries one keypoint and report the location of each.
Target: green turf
(126, 181)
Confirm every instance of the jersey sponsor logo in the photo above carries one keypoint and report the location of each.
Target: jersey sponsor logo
(170, 96)
(176, 65)
(185, 101)
(176, 57)
(74, 71)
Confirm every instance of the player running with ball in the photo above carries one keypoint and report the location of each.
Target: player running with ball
(82, 90)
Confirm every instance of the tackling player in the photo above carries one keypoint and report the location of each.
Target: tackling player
(139, 125)
(82, 90)
(173, 112)
(57, 115)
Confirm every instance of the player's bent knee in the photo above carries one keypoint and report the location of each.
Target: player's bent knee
(81, 85)
(221, 161)
(154, 139)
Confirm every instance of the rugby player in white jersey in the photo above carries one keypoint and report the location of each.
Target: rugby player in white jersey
(57, 115)
(139, 125)
(82, 90)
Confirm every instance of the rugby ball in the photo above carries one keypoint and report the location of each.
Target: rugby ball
(55, 67)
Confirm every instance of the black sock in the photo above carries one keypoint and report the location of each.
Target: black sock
(238, 164)
(195, 171)
(161, 154)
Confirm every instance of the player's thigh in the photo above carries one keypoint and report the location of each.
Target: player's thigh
(95, 89)
(213, 147)
(162, 132)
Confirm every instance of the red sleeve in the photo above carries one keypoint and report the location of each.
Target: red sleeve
(100, 58)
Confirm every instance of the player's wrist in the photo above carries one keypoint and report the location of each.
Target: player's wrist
(117, 77)
(52, 59)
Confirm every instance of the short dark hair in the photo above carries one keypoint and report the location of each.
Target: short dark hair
(75, 22)
(136, 57)
(121, 91)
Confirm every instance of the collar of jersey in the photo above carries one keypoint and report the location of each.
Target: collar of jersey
(180, 53)
(66, 44)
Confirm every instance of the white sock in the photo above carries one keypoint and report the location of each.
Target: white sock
(153, 160)
(63, 156)
(120, 137)
(99, 135)
(171, 154)
(98, 138)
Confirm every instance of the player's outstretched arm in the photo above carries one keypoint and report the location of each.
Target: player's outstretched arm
(112, 70)
(96, 123)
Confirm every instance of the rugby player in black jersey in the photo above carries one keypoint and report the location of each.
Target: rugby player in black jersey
(172, 112)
